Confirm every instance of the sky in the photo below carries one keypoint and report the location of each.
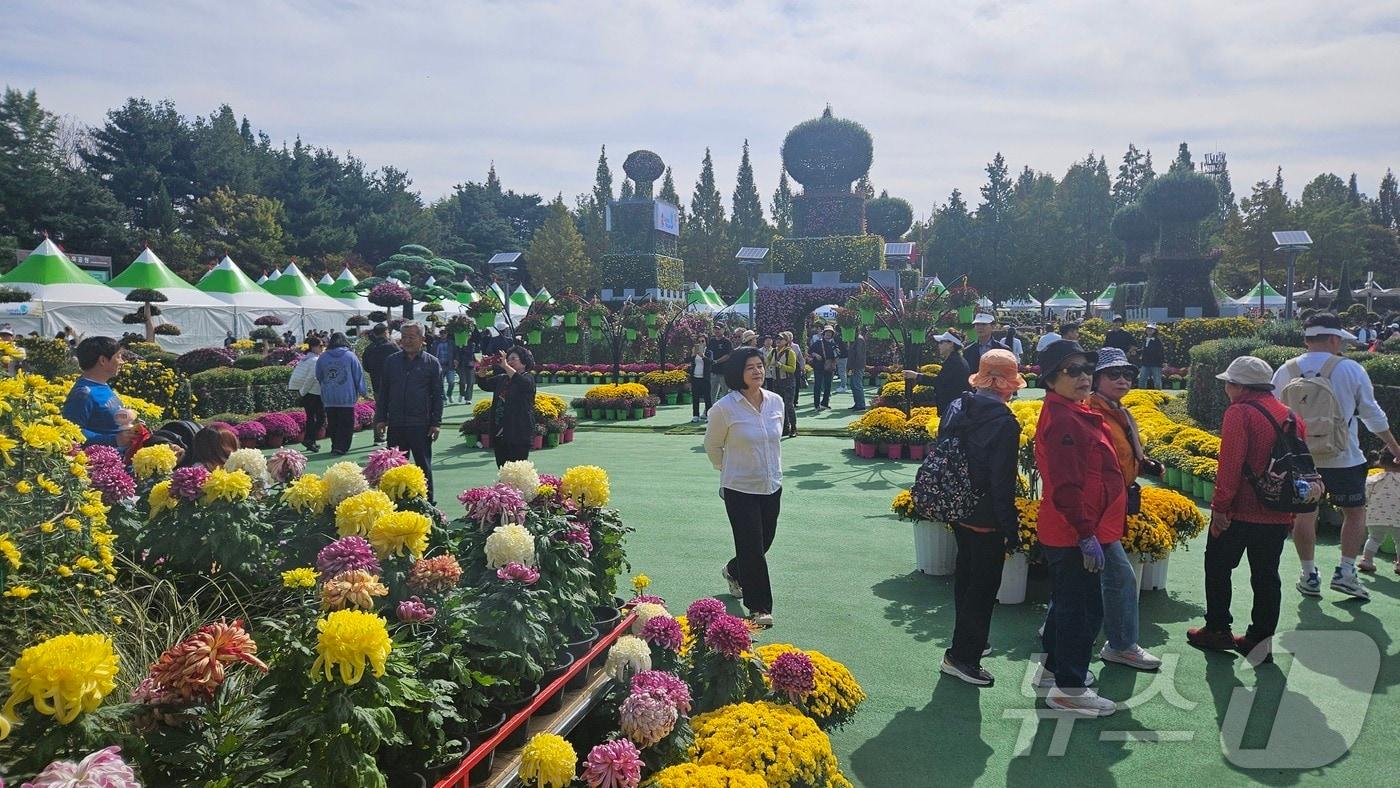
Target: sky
(443, 90)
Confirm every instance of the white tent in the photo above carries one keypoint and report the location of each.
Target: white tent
(696, 300)
(314, 308)
(1024, 303)
(1262, 292)
(61, 295)
(227, 283)
(201, 318)
(338, 289)
(741, 307)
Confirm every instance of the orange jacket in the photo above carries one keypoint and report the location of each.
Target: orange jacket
(1117, 421)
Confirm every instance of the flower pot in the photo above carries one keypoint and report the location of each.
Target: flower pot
(636, 414)
(551, 439)
(605, 618)
(514, 703)
(882, 333)
(537, 442)
(867, 317)
(578, 647)
(1199, 488)
(534, 336)
(894, 451)
(568, 436)
(571, 336)
(649, 412)
(865, 451)
(669, 398)
(919, 335)
(631, 335)
(848, 333)
(935, 549)
(966, 313)
(595, 322)
(684, 398)
(1013, 579)
(1031, 378)
(555, 703)
(571, 320)
(1173, 477)
(482, 770)
(486, 320)
(916, 451)
(460, 338)
(273, 441)
(1208, 491)
(485, 440)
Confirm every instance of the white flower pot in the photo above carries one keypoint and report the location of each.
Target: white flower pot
(935, 549)
(1154, 575)
(1013, 579)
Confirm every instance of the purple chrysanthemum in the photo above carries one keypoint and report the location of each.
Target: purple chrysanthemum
(647, 717)
(381, 460)
(188, 483)
(664, 632)
(286, 465)
(614, 764)
(792, 674)
(494, 505)
(728, 635)
(345, 554)
(579, 536)
(107, 473)
(413, 611)
(646, 599)
(666, 684)
(702, 611)
(519, 573)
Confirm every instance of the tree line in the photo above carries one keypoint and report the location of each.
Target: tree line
(197, 188)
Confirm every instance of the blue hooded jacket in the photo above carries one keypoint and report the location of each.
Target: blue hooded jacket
(341, 376)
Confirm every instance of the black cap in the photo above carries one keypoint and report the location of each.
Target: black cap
(1057, 352)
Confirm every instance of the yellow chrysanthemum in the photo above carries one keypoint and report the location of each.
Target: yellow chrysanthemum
(396, 532)
(695, 775)
(8, 444)
(63, 676)
(548, 761)
(404, 481)
(640, 583)
(151, 460)
(307, 494)
(357, 514)
(348, 639)
(44, 437)
(774, 740)
(9, 552)
(160, 498)
(48, 485)
(301, 577)
(86, 563)
(23, 487)
(222, 485)
(837, 694)
(587, 485)
(20, 591)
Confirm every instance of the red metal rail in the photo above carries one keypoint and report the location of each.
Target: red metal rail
(459, 778)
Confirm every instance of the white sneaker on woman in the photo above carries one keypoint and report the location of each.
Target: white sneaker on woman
(1080, 701)
(735, 590)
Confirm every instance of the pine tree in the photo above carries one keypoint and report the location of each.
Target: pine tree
(602, 184)
(952, 240)
(493, 183)
(1127, 186)
(864, 188)
(992, 215)
(1228, 206)
(1353, 192)
(1278, 179)
(705, 245)
(1086, 207)
(628, 191)
(1147, 174)
(1388, 202)
(747, 226)
(557, 256)
(595, 232)
(782, 206)
(1183, 161)
(668, 193)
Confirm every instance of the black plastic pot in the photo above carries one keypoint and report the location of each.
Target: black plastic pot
(578, 648)
(605, 618)
(510, 706)
(556, 702)
(482, 770)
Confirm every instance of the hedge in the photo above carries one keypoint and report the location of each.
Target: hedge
(222, 390)
(853, 256)
(1177, 337)
(270, 390)
(641, 272)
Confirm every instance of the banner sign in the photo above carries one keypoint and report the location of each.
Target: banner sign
(667, 218)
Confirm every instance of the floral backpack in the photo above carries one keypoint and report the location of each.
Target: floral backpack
(943, 490)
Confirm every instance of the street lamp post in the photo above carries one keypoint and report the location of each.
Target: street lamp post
(1294, 243)
(750, 257)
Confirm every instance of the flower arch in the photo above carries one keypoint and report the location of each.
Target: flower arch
(784, 307)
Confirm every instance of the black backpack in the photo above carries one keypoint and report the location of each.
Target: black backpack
(1290, 482)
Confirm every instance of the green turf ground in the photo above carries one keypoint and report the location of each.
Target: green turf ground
(844, 584)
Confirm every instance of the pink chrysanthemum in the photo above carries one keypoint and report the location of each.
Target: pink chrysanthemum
(345, 554)
(102, 769)
(702, 611)
(188, 483)
(664, 632)
(614, 764)
(666, 684)
(579, 536)
(413, 611)
(286, 464)
(494, 505)
(519, 573)
(646, 599)
(381, 460)
(728, 635)
(434, 575)
(552, 481)
(107, 473)
(792, 674)
(647, 717)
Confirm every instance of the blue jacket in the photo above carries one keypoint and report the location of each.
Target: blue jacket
(93, 407)
(341, 376)
(446, 353)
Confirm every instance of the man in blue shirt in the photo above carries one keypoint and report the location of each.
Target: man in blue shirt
(91, 403)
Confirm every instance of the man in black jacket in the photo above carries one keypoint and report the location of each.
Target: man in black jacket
(951, 381)
(1150, 361)
(984, 326)
(380, 348)
(1119, 337)
(410, 407)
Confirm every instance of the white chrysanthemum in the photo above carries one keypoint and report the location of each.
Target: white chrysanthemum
(628, 657)
(511, 542)
(521, 475)
(646, 611)
(250, 461)
(343, 480)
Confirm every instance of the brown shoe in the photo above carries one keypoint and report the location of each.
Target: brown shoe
(1211, 639)
(1246, 645)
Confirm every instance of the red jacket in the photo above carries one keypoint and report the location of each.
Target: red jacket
(1083, 489)
(1247, 439)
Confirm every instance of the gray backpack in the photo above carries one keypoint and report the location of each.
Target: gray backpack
(1313, 400)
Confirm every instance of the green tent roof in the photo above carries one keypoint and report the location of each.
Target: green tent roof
(544, 295)
(935, 286)
(1263, 288)
(48, 265)
(521, 297)
(745, 298)
(292, 283)
(713, 297)
(148, 270)
(1107, 294)
(227, 277)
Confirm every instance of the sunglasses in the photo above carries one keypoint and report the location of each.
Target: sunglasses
(1117, 374)
(1076, 370)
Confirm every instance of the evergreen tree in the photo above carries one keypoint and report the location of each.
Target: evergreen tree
(557, 256)
(1128, 185)
(602, 184)
(1147, 173)
(864, 188)
(1228, 206)
(1250, 241)
(311, 217)
(992, 228)
(952, 240)
(1354, 196)
(493, 182)
(594, 225)
(747, 226)
(782, 206)
(220, 155)
(1183, 161)
(668, 193)
(1388, 202)
(705, 246)
(1086, 207)
(246, 227)
(141, 147)
(627, 191)
(1035, 240)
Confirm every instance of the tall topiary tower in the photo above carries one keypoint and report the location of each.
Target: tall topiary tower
(1138, 232)
(642, 242)
(1179, 273)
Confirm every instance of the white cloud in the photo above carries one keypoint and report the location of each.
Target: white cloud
(443, 89)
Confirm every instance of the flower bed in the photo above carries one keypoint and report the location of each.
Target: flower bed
(885, 433)
(671, 387)
(553, 423)
(599, 373)
(616, 402)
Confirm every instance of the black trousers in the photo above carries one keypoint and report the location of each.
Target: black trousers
(976, 580)
(416, 442)
(375, 383)
(466, 379)
(1076, 614)
(509, 452)
(754, 521)
(1264, 544)
(315, 418)
(821, 391)
(787, 389)
(699, 390)
(340, 426)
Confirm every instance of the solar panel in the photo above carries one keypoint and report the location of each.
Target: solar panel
(501, 258)
(1293, 238)
(899, 250)
(751, 253)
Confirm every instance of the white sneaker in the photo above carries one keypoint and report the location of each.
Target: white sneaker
(1080, 701)
(735, 589)
(1134, 656)
(1310, 584)
(1348, 583)
(762, 620)
(1046, 679)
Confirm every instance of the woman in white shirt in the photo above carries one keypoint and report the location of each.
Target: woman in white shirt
(742, 441)
(699, 380)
